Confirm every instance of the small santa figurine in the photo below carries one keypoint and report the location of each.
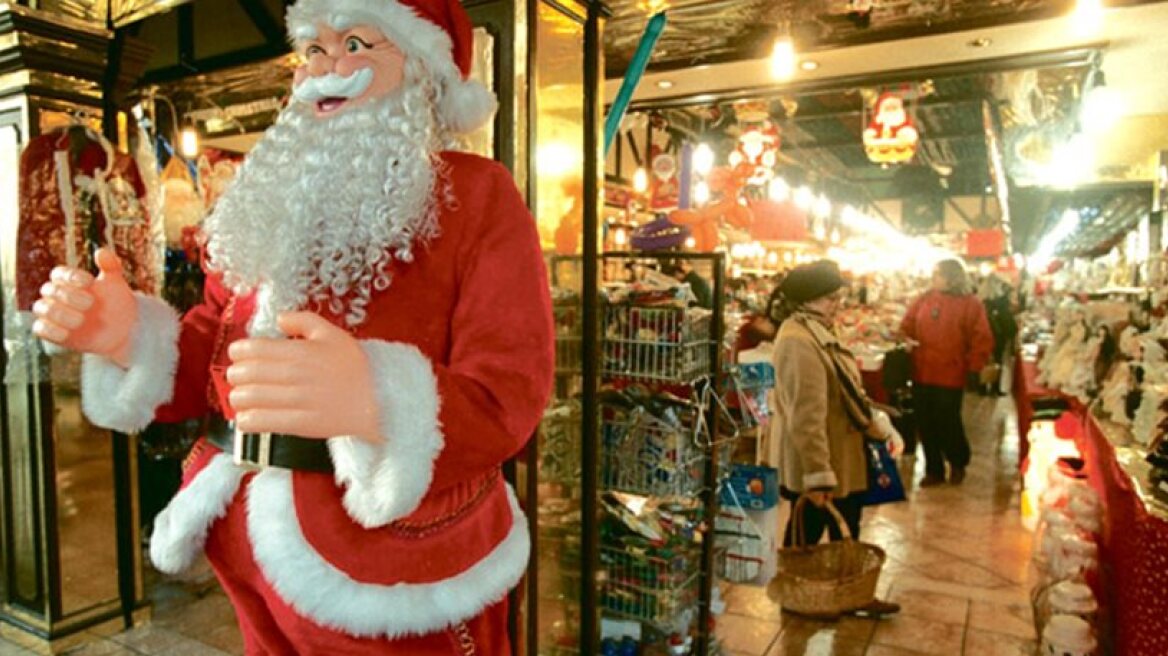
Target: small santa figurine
(374, 342)
(891, 137)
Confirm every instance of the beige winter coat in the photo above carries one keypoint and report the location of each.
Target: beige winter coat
(817, 445)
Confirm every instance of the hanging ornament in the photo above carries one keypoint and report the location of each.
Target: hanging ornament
(757, 152)
(891, 137)
(664, 184)
(726, 209)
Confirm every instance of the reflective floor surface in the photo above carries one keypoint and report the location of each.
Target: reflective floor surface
(958, 562)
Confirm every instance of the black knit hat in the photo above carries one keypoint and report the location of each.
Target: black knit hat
(807, 282)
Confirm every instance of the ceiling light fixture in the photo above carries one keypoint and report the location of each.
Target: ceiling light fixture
(1088, 16)
(783, 57)
(809, 65)
(664, 84)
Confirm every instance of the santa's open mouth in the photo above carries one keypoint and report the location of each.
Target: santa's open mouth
(331, 104)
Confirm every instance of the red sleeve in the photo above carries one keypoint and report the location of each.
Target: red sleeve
(979, 337)
(908, 325)
(196, 344)
(498, 379)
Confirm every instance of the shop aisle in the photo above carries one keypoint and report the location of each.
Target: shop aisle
(958, 563)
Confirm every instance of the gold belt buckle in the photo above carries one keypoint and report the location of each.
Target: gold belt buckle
(263, 457)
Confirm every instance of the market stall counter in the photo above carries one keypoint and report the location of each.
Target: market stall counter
(1134, 549)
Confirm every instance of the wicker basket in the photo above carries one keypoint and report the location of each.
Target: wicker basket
(826, 580)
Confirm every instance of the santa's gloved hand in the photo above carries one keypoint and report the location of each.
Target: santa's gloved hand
(87, 314)
(316, 384)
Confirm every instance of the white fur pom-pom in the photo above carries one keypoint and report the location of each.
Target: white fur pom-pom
(467, 106)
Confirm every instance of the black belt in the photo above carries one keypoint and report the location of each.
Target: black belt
(260, 450)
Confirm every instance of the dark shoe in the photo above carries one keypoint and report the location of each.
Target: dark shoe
(877, 609)
(957, 476)
(932, 481)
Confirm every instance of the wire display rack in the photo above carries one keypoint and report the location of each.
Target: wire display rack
(642, 454)
(656, 343)
(569, 332)
(559, 443)
(656, 587)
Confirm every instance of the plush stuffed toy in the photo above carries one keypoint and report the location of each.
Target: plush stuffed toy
(375, 341)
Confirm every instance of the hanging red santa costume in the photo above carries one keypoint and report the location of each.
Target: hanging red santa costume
(411, 544)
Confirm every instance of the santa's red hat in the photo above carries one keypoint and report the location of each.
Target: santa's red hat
(436, 32)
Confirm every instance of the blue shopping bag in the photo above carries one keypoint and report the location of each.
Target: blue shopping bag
(884, 484)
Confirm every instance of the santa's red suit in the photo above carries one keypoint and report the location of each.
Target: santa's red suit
(460, 346)
(410, 545)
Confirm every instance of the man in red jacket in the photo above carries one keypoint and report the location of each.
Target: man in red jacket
(953, 339)
(375, 341)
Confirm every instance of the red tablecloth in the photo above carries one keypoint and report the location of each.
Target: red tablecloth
(1133, 553)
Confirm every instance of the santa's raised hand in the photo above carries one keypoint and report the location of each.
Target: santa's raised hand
(316, 384)
(87, 314)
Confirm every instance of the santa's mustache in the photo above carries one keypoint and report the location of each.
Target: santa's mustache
(332, 85)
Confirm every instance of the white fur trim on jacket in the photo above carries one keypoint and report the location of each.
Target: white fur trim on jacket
(331, 598)
(180, 530)
(384, 482)
(463, 105)
(125, 399)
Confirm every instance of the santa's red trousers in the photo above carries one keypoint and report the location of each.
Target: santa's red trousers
(272, 628)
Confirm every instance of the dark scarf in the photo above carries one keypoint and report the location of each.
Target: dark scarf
(855, 400)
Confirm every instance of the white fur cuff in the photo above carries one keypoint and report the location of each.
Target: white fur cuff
(819, 479)
(125, 399)
(180, 531)
(385, 482)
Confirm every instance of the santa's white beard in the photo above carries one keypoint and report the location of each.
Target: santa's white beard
(321, 206)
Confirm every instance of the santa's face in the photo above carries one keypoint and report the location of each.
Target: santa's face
(891, 112)
(345, 67)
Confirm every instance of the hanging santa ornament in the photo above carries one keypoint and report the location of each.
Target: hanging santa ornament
(757, 152)
(891, 137)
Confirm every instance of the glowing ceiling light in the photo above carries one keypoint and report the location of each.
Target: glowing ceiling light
(189, 143)
(822, 206)
(640, 180)
(783, 58)
(701, 193)
(778, 190)
(804, 198)
(1088, 16)
(620, 237)
(1102, 108)
(703, 159)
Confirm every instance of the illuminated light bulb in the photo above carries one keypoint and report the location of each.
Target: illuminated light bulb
(620, 237)
(788, 257)
(835, 236)
(703, 159)
(779, 191)
(820, 231)
(804, 198)
(735, 158)
(823, 206)
(772, 258)
(1102, 109)
(783, 59)
(690, 242)
(189, 143)
(701, 193)
(1088, 16)
(640, 180)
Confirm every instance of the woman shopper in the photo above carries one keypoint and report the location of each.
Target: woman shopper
(822, 413)
(952, 343)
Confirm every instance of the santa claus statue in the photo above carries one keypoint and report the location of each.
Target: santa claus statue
(891, 137)
(374, 341)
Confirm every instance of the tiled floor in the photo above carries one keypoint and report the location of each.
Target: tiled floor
(958, 562)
